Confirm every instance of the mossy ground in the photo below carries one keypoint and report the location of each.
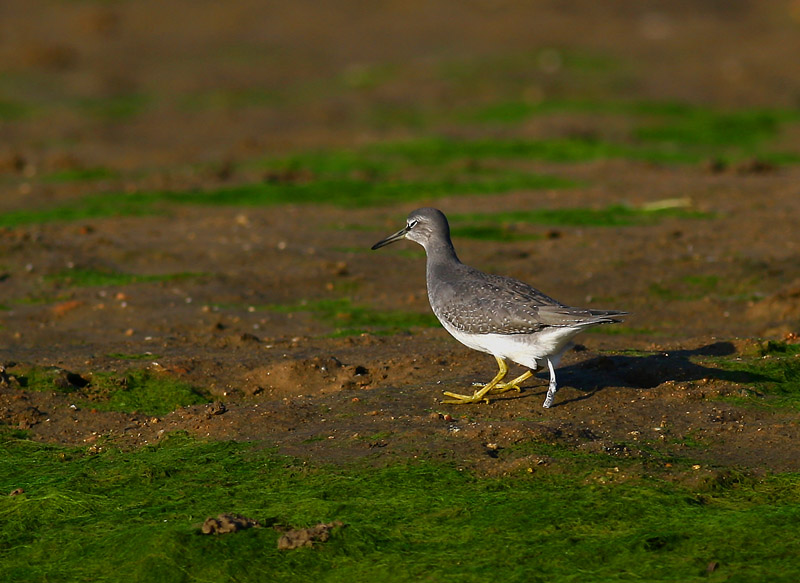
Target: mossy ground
(136, 515)
(437, 167)
(777, 364)
(348, 319)
(135, 390)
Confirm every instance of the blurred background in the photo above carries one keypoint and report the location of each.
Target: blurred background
(123, 95)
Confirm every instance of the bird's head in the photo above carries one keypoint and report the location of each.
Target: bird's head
(422, 226)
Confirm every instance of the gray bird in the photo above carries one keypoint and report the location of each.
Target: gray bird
(492, 313)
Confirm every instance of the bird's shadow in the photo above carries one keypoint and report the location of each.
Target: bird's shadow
(646, 372)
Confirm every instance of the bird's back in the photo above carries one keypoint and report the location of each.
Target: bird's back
(480, 303)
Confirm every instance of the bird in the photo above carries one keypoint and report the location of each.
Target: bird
(496, 314)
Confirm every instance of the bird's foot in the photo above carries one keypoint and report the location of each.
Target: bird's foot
(551, 388)
(512, 385)
(457, 399)
(551, 395)
(480, 394)
(503, 387)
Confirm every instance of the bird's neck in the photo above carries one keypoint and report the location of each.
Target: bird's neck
(440, 252)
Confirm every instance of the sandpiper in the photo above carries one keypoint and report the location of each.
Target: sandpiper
(499, 315)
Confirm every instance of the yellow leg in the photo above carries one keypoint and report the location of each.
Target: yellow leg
(480, 394)
(512, 385)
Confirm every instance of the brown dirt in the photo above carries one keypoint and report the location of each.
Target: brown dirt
(281, 381)
(306, 537)
(227, 523)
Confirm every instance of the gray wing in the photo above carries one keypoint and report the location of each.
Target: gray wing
(503, 305)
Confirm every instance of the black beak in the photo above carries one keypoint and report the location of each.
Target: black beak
(391, 238)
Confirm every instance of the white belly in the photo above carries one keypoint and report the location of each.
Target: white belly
(529, 350)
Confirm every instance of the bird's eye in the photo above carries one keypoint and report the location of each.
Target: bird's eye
(412, 224)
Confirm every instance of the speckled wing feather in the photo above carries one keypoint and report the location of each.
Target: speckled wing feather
(494, 304)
